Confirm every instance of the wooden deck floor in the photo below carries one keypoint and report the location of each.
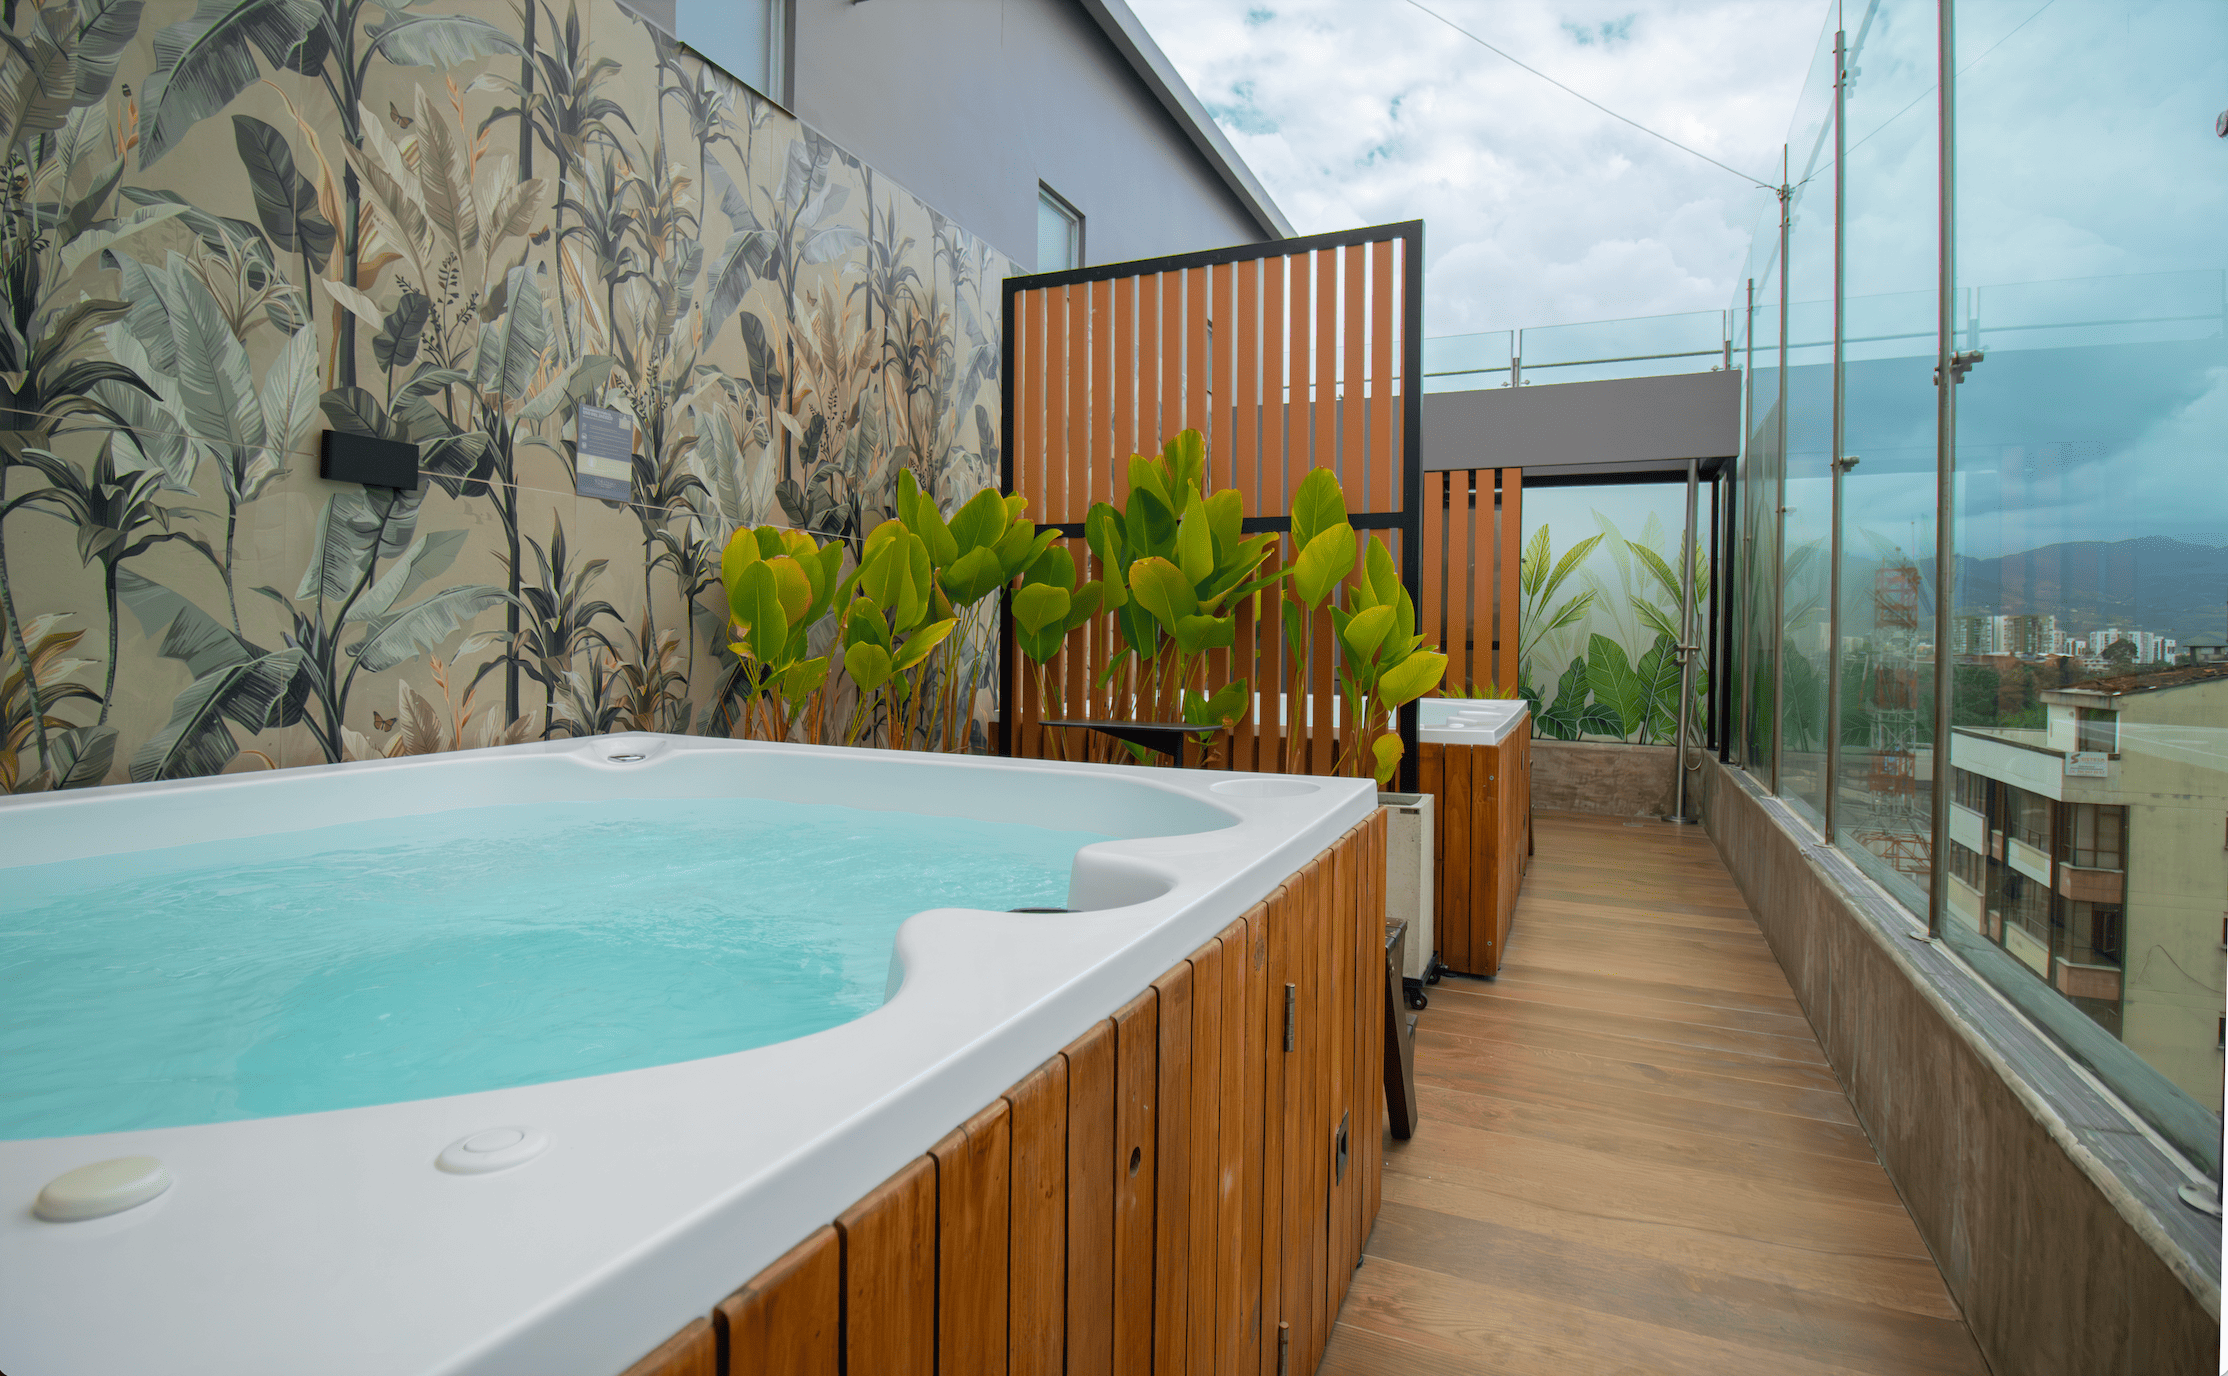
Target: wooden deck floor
(1634, 1157)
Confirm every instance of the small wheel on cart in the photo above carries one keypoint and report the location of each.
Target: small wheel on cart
(1417, 999)
(1433, 971)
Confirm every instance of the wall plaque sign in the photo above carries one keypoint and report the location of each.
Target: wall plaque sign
(605, 467)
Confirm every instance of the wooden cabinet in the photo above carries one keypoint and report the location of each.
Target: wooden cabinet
(1184, 1189)
(1483, 845)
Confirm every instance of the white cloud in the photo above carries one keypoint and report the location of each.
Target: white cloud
(1538, 208)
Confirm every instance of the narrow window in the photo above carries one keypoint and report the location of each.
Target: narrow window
(748, 39)
(2104, 933)
(1059, 232)
(2096, 729)
(2099, 836)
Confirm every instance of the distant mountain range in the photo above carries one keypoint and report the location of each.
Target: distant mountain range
(2155, 583)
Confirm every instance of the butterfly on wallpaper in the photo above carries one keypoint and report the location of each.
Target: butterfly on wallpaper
(402, 121)
(538, 239)
(379, 723)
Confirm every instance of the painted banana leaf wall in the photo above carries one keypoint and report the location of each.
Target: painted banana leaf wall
(231, 225)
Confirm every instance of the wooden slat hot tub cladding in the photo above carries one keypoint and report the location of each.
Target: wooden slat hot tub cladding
(1286, 357)
(1158, 1197)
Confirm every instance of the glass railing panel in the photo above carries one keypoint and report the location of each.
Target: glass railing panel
(1758, 538)
(1893, 324)
(1645, 346)
(1883, 798)
(1601, 609)
(1883, 793)
(1805, 499)
(1467, 362)
(2134, 308)
(2090, 440)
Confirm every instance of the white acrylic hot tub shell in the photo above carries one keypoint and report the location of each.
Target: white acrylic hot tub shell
(328, 1241)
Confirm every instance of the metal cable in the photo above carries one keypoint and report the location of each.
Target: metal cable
(1761, 185)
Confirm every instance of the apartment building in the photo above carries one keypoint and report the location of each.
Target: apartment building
(2095, 851)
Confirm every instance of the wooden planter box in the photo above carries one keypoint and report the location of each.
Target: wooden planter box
(1481, 772)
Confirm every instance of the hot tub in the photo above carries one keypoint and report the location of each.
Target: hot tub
(333, 1240)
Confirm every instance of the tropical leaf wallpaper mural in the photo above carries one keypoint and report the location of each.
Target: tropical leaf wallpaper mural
(230, 225)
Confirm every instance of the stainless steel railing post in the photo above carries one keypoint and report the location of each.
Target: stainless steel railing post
(1945, 471)
(1840, 464)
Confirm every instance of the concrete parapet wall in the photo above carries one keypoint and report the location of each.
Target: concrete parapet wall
(2052, 1218)
(1603, 778)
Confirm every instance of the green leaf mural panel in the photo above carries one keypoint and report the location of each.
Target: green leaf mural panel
(1599, 616)
(273, 217)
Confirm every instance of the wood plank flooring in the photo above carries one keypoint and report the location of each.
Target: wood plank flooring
(1633, 1156)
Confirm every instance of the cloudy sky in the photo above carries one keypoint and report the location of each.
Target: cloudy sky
(1540, 209)
(2091, 199)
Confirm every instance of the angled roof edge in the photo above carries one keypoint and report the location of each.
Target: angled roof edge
(1152, 66)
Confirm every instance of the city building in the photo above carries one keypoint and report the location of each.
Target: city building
(2103, 870)
(2149, 646)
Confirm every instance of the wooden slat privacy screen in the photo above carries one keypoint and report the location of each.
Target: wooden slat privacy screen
(1286, 356)
(1473, 549)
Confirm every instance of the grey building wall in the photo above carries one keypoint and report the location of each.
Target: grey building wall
(1621, 425)
(970, 103)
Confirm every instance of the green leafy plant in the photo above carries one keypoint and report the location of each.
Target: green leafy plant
(1048, 607)
(1383, 664)
(779, 582)
(894, 617)
(1176, 565)
(988, 544)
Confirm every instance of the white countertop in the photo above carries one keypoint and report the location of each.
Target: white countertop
(1471, 721)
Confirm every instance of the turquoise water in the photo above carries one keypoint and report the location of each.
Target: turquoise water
(468, 950)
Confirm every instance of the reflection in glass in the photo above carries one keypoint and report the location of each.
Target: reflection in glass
(1884, 795)
(1806, 501)
(2092, 530)
(2088, 673)
(1761, 471)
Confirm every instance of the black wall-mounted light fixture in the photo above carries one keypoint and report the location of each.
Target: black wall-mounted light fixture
(364, 459)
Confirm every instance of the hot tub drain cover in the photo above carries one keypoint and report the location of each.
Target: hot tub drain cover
(493, 1149)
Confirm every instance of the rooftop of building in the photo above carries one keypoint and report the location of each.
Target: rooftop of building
(2149, 680)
